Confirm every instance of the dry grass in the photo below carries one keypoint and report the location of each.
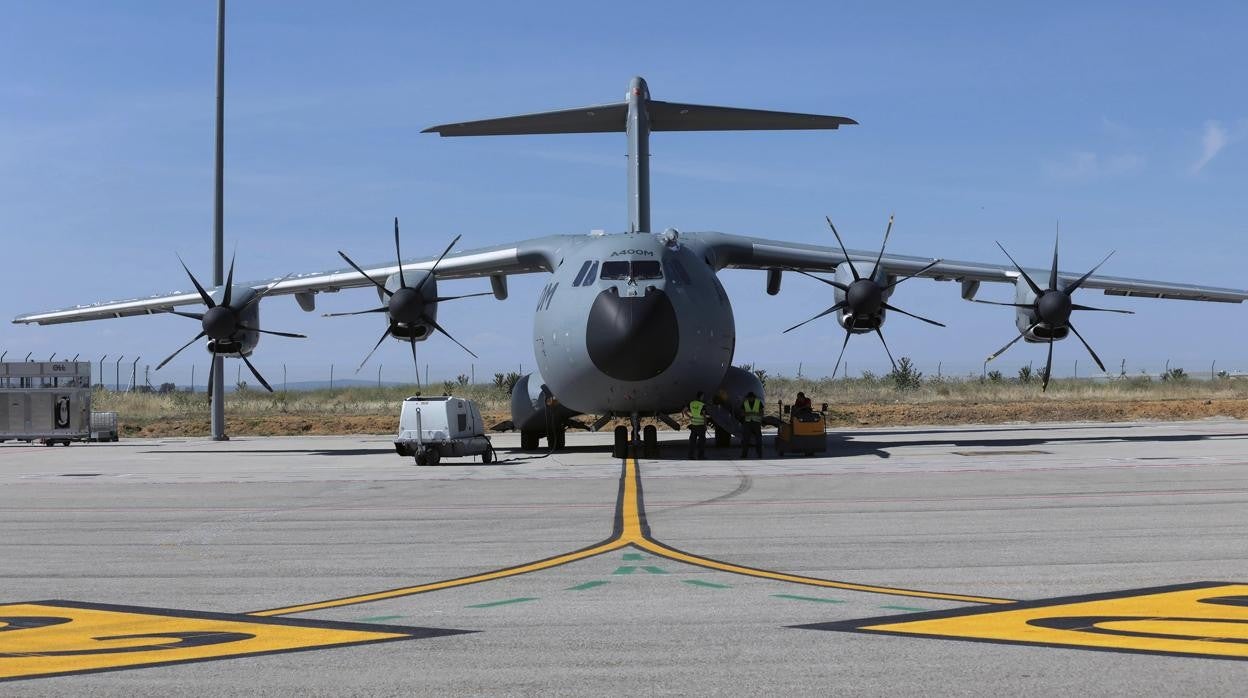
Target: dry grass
(860, 402)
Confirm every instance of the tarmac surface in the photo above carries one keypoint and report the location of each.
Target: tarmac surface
(986, 560)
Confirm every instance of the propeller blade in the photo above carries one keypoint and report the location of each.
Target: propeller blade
(1102, 310)
(264, 292)
(436, 263)
(916, 317)
(274, 332)
(440, 299)
(203, 295)
(829, 282)
(1048, 367)
(1053, 271)
(229, 281)
(398, 256)
(1012, 343)
(880, 258)
(193, 316)
(179, 351)
(886, 351)
(439, 328)
(1008, 305)
(1073, 287)
(356, 267)
(212, 365)
(412, 341)
(829, 311)
(382, 309)
(843, 250)
(917, 273)
(256, 373)
(1095, 358)
(1035, 289)
(378, 344)
(840, 356)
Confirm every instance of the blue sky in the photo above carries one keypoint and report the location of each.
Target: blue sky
(979, 121)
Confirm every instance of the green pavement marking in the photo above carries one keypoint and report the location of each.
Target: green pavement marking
(806, 598)
(625, 569)
(504, 602)
(903, 608)
(377, 619)
(586, 585)
(634, 556)
(654, 570)
(700, 583)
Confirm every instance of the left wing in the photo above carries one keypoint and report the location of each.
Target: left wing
(525, 257)
(727, 251)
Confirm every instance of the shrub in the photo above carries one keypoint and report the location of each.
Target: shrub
(905, 376)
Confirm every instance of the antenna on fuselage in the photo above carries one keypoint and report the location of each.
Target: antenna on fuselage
(637, 116)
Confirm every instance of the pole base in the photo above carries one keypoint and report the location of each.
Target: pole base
(222, 437)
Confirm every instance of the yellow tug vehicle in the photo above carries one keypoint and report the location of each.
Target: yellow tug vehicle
(805, 432)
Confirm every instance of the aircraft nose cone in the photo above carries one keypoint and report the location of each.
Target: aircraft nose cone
(632, 339)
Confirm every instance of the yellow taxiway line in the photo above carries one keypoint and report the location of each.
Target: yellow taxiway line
(630, 530)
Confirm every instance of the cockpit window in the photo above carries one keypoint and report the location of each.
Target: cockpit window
(636, 269)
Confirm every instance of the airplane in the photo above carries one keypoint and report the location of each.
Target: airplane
(634, 324)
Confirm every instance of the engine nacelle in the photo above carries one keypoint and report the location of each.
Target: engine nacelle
(411, 314)
(534, 410)
(860, 324)
(1024, 318)
(733, 388)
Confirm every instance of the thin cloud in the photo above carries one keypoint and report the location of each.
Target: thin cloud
(1085, 165)
(1214, 139)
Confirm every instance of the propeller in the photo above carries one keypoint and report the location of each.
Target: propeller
(406, 305)
(1052, 309)
(864, 296)
(222, 322)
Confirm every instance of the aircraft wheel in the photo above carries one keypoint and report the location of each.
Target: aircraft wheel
(723, 438)
(487, 456)
(557, 440)
(621, 442)
(434, 456)
(650, 439)
(528, 440)
(421, 458)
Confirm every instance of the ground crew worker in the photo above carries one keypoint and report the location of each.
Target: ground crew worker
(801, 404)
(752, 408)
(696, 412)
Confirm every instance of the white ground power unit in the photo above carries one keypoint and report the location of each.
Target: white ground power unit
(432, 428)
(45, 401)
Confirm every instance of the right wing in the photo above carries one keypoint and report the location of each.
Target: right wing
(524, 257)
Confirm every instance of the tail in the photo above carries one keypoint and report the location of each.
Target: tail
(637, 116)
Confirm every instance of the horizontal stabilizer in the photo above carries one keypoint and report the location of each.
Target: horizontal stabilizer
(602, 119)
(673, 116)
(664, 116)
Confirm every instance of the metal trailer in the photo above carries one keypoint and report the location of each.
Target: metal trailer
(103, 426)
(431, 428)
(47, 401)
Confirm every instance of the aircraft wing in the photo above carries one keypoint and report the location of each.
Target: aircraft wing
(525, 257)
(739, 252)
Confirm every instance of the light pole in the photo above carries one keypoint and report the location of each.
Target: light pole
(283, 379)
(192, 378)
(379, 375)
(117, 374)
(218, 236)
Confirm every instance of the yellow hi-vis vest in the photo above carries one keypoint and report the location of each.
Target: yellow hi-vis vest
(754, 411)
(697, 418)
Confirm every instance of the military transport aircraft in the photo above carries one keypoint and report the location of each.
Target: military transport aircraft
(633, 324)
